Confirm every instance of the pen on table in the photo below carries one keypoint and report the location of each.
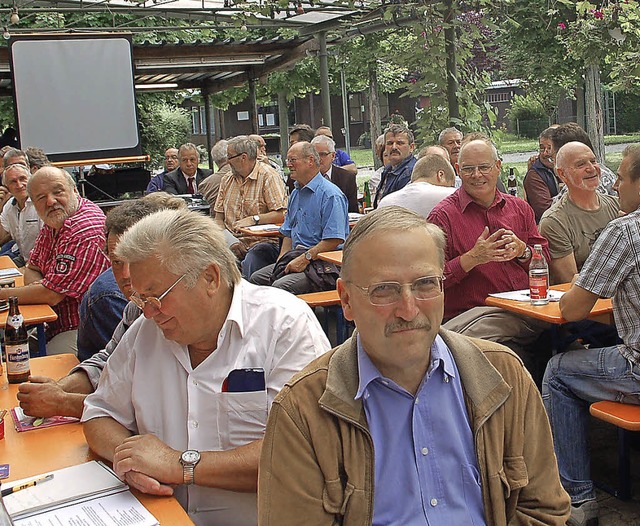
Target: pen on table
(2, 414)
(26, 485)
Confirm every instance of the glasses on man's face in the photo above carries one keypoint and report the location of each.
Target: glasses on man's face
(390, 292)
(484, 169)
(234, 156)
(156, 303)
(324, 154)
(291, 160)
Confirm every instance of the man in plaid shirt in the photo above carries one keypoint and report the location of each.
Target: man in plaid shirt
(68, 255)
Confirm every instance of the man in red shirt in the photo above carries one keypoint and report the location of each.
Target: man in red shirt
(490, 236)
(68, 255)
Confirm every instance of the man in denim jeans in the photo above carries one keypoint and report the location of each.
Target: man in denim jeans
(573, 380)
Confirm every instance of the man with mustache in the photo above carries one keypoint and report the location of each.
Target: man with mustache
(573, 223)
(399, 146)
(68, 255)
(540, 183)
(407, 423)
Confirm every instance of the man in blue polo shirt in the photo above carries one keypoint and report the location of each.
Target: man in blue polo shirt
(399, 145)
(316, 221)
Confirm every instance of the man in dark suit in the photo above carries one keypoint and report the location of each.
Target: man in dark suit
(342, 178)
(186, 178)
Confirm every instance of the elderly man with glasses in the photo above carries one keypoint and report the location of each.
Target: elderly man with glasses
(183, 401)
(490, 237)
(406, 423)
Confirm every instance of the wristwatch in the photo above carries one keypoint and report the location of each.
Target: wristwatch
(189, 459)
(256, 219)
(526, 254)
(308, 255)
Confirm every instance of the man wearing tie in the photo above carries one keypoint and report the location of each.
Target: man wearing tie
(186, 178)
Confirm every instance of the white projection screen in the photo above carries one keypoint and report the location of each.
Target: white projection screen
(74, 95)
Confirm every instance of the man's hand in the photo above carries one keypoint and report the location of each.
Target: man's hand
(487, 248)
(514, 246)
(297, 265)
(244, 222)
(239, 250)
(149, 463)
(41, 396)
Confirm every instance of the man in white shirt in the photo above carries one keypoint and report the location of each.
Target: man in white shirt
(19, 219)
(432, 180)
(183, 401)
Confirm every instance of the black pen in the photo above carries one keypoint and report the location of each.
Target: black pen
(26, 485)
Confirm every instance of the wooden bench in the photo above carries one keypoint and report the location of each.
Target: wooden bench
(626, 417)
(329, 301)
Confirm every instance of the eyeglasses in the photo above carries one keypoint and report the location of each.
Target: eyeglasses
(390, 292)
(545, 149)
(484, 169)
(324, 154)
(291, 160)
(234, 156)
(156, 303)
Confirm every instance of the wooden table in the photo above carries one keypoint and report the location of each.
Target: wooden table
(36, 315)
(602, 311)
(275, 232)
(34, 452)
(332, 257)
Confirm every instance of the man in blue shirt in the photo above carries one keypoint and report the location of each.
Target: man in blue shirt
(316, 221)
(399, 146)
(407, 423)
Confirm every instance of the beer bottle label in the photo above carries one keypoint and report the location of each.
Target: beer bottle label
(15, 321)
(17, 358)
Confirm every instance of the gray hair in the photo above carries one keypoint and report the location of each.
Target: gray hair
(244, 144)
(465, 145)
(444, 132)
(188, 146)
(219, 152)
(46, 171)
(323, 139)
(20, 167)
(14, 152)
(633, 152)
(428, 167)
(386, 219)
(307, 150)
(184, 242)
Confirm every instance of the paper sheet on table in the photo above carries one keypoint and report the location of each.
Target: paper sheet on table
(269, 227)
(114, 510)
(523, 295)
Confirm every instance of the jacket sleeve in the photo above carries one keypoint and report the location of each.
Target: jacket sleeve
(170, 184)
(543, 500)
(290, 482)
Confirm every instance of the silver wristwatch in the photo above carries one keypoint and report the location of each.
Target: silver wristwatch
(526, 254)
(256, 219)
(189, 459)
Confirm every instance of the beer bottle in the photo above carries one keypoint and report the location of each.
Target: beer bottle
(512, 183)
(16, 343)
(367, 195)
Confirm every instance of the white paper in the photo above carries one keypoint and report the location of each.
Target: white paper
(355, 216)
(9, 273)
(269, 227)
(121, 509)
(523, 295)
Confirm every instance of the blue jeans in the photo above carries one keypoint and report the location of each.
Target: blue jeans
(572, 381)
(259, 256)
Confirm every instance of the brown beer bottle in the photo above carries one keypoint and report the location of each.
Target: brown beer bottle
(16, 343)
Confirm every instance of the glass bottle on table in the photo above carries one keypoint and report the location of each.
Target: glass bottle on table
(512, 183)
(538, 277)
(16, 342)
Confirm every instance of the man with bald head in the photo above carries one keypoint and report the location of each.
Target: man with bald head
(573, 223)
(432, 180)
(69, 254)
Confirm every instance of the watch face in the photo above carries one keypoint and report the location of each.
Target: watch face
(190, 457)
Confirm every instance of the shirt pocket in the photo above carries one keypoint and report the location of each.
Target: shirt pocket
(245, 416)
(514, 475)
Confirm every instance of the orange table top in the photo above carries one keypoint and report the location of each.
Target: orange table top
(35, 452)
(551, 312)
(33, 314)
(332, 257)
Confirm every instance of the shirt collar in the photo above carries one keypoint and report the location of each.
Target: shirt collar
(465, 199)
(368, 372)
(235, 311)
(313, 184)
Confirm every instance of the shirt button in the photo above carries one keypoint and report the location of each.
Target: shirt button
(433, 502)
(446, 379)
(195, 382)
(425, 450)
(194, 424)
(417, 400)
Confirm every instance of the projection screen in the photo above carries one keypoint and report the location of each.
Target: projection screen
(74, 95)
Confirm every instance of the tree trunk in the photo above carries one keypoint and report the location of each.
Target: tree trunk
(593, 110)
(375, 124)
(452, 69)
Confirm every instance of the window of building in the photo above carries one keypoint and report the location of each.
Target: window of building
(498, 97)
